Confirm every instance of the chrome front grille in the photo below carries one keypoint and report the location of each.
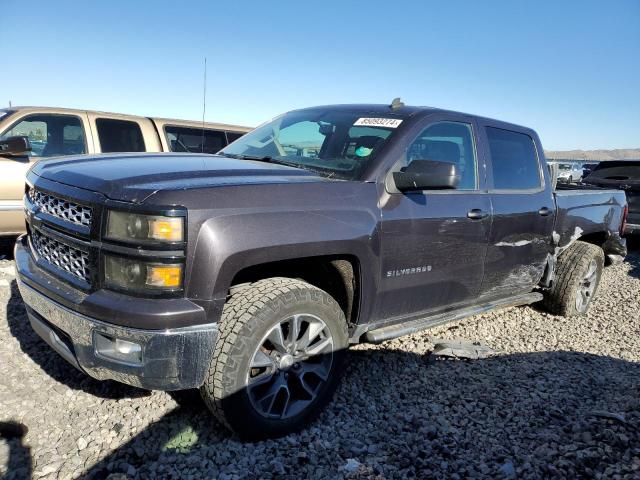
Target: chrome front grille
(61, 255)
(60, 208)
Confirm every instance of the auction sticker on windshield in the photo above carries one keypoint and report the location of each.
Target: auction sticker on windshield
(378, 122)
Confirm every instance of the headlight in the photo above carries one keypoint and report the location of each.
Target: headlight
(138, 275)
(131, 227)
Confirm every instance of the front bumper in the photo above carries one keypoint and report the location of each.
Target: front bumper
(633, 221)
(633, 224)
(171, 358)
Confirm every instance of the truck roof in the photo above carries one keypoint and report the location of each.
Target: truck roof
(76, 111)
(408, 111)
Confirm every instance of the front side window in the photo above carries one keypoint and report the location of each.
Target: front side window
(119, 135)
(194, 140)
(450, 142)
(50, 135)
(513, 160)
(333, 142)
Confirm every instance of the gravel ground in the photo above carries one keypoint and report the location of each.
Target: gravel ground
(560, 399)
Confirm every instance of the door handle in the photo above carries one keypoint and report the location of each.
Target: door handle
(477, 214)
(544, 211)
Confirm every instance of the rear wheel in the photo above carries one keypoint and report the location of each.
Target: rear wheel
(578, 273)
(277, 359)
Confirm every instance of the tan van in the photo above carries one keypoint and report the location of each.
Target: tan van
(61, 131)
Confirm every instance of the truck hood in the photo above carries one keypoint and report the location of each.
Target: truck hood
(133, 177)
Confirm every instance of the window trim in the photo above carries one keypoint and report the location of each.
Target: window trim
(237, 132)
(97, 118)
(501, 191)
(455, 191)
(166, 138)
(35, 114)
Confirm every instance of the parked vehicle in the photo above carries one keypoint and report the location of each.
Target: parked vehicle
(61, 131)
(625, 175)
(249, 273)
(589, 167)
(569, 172)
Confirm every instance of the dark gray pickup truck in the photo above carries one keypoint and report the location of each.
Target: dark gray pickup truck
(247, 274)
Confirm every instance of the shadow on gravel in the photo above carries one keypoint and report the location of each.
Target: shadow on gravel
(51, 363)
(533, 415)
(19, 464)
(6, 248)
(633, 243)
(634, 260)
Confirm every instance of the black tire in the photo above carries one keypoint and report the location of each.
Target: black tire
(250, 314)
(569, 284)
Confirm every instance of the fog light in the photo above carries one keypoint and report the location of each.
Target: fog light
(118, 349)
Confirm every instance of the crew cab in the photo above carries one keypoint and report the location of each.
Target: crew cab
(54, 132)
(248, 274)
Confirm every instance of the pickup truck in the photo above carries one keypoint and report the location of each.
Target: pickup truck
(63, 131)
(248, 274)
(623, 175)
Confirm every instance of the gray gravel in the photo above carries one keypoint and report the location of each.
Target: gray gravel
(560, 398)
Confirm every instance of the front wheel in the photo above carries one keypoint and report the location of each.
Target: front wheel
(277, 360)
(578, 273)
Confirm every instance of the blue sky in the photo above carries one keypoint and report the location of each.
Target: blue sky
(569, 69)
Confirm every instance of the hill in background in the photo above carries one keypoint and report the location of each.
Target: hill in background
(598, 155)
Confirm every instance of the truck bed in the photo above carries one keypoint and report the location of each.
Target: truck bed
(586, 210)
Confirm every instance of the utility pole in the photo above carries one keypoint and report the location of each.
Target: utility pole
(204, 99)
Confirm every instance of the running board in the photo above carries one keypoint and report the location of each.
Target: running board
(393, 331)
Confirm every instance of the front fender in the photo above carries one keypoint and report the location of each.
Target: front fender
(229, 243)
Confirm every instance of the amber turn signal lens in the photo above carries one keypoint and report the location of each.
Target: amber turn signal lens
(134, 227)
(164, 276)
(168, 229)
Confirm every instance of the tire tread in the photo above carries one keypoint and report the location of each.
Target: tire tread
(239, 312)
(571, 265)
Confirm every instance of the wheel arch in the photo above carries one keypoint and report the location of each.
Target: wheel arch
(338, 275)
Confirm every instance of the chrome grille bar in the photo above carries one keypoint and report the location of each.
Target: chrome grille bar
(61, 255)
(60, 208)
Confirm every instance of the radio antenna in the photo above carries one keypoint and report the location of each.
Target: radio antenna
(204, 100)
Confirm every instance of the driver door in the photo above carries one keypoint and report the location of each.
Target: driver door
(433, 243)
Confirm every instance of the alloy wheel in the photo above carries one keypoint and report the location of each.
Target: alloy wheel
(290, 366)
(587, 287)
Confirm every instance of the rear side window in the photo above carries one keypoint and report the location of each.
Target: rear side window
(195, 140)
(50, 135)
(513, 160)
(119, 135)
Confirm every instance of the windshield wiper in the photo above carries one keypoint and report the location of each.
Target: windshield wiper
(265, 158)
(268, 159)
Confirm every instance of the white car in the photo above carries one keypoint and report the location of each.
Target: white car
(570, 173)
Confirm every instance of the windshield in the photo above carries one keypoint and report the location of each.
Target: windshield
(331, 142)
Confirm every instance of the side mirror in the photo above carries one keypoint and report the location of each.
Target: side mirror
(427, 175)
(15, 146)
